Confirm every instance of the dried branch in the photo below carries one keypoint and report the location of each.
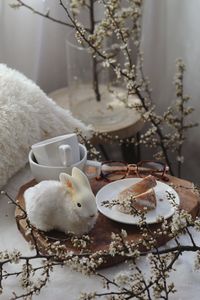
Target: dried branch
(44, 15)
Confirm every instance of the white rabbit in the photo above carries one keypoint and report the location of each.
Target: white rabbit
(67, 205)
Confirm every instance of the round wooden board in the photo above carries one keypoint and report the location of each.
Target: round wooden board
(101, 233)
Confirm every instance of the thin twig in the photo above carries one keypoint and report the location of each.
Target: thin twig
(47, 16)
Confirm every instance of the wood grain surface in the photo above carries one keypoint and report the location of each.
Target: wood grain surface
(101, 233)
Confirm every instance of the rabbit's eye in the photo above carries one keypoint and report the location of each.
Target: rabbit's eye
(78, 204)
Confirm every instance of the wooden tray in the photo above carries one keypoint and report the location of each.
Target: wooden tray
(101, 233)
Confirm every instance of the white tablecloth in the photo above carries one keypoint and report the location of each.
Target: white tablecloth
(67, 284)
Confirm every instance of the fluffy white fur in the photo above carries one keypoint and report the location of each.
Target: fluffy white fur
(68, 205)
(27, 116)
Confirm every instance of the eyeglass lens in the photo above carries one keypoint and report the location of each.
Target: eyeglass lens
(149, 167)
(114, 170)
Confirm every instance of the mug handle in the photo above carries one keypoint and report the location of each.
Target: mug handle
(92, 165)
(65, 155)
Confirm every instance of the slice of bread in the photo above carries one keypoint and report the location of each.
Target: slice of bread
(146, 200)
(138, 188)
(139, 196)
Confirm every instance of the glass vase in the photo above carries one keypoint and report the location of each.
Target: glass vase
(93, 98)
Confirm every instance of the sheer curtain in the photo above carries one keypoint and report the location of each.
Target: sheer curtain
(32, 44)
(171, 31)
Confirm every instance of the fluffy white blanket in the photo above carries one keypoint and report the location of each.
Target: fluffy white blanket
(27, 116)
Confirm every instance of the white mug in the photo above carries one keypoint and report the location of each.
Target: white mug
(42, 172)
(58, 151)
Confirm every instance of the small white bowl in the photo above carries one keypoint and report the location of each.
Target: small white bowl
(41, 172)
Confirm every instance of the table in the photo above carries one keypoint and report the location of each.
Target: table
(67, 284)
(124, 129)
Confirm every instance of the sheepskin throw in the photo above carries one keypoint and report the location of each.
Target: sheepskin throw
(27, 116)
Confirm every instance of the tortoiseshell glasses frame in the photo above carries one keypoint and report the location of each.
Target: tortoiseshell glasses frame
(116, 170)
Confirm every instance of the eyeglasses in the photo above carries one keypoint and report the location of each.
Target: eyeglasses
(115, 170)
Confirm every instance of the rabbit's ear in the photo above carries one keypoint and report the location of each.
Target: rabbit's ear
(68, 182)
(80, 177)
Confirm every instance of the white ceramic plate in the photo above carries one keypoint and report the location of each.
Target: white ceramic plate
(109, 192)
